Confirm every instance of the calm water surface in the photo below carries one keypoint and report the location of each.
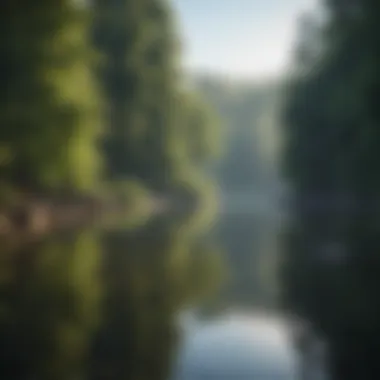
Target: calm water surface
(158, 303)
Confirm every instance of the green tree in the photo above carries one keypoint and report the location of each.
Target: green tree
(155, 130)
(138, 77)
(49, 119)
(332, 139)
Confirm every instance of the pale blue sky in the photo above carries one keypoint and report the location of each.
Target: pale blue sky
(242, 38)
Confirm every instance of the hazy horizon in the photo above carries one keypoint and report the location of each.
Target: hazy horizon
(239, 39)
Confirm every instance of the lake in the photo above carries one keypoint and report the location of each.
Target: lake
(157, 303)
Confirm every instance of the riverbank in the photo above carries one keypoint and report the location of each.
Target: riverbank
(37, 216)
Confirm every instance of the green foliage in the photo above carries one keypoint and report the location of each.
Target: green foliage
(154, 130)
(58, 135)
(331, 157)
(200, 131)
(136, 73)
(129, 204)
(48, 106)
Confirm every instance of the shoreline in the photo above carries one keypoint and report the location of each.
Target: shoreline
(42, 216)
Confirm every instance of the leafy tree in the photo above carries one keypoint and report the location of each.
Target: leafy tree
(332, 140)
(49, 119)
(155, 129)
(137, 74)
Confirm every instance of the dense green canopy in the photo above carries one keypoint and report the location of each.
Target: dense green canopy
(48, 104)
(94, 93)
(331, 127)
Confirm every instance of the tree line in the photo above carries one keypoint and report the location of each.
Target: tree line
(331, 130)
(92, 94)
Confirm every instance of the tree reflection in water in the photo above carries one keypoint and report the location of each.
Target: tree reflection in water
(100, 305)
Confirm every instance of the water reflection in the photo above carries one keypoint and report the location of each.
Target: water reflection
(148, 277)
(251, 245)
(110, 304)
(50, 294)
(238, 346)
(101, 305)
(243, 334)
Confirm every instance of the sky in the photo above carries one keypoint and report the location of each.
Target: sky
(239, 38)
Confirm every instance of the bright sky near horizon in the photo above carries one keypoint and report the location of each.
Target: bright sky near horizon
(239, 38)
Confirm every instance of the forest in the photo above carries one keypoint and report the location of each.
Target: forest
(330, 123)
(93, 107)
